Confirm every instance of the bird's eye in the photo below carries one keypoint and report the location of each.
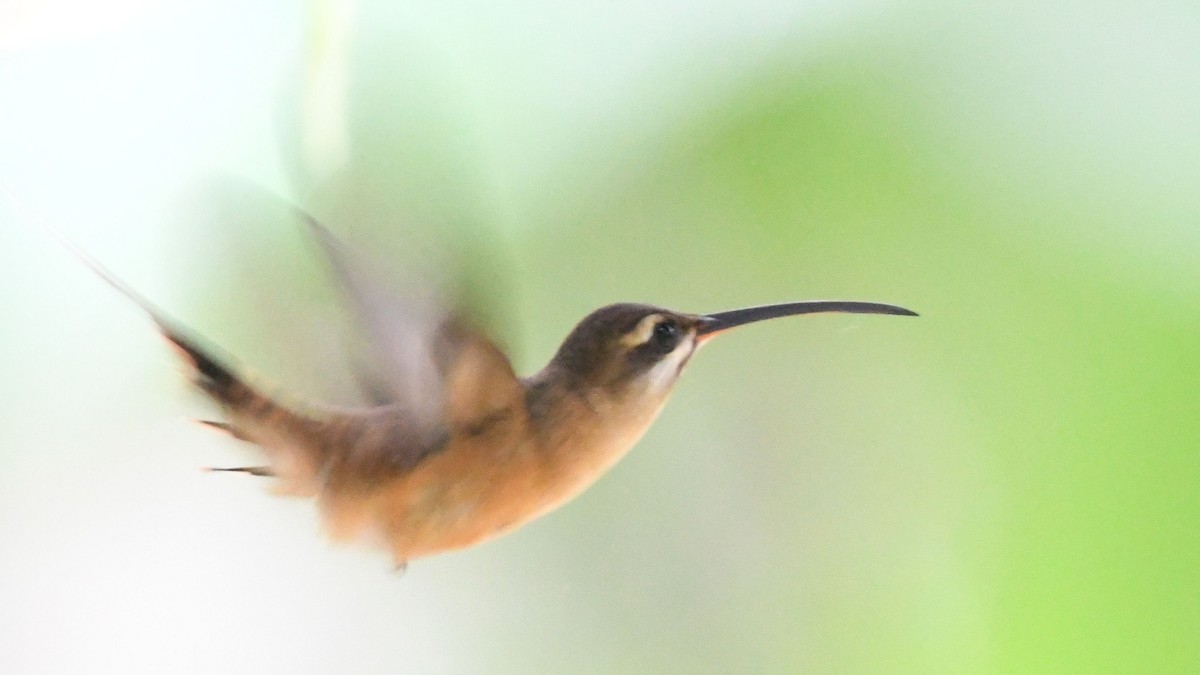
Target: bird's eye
(666, 335)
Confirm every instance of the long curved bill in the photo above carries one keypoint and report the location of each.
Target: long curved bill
(713, 324)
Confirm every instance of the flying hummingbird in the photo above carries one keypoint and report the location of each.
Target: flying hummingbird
(459, 449)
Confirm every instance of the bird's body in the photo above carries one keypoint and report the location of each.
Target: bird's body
(507, 451)
(461, 449)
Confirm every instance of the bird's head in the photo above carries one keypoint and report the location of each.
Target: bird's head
(640, 350)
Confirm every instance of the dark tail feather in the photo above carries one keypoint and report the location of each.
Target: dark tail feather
(223, 427)
(252, 470)
(168, 327)
(249, 410)
(219, 426)
(211, 375)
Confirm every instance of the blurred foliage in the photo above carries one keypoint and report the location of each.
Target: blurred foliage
(1007, 484)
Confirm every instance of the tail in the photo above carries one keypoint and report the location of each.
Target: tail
(211, 375)
(281, 433)
(253, 416)
(251, 470)
(284, 436)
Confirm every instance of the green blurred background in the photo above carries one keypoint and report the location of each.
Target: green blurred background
(1006, 485)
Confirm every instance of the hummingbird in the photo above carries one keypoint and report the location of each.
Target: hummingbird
(456, 448)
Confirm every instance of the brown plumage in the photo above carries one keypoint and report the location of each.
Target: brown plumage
(462, 450)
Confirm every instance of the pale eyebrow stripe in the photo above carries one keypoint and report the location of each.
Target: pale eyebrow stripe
(642, 332)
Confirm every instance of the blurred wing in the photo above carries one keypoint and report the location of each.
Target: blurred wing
(430, 362)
